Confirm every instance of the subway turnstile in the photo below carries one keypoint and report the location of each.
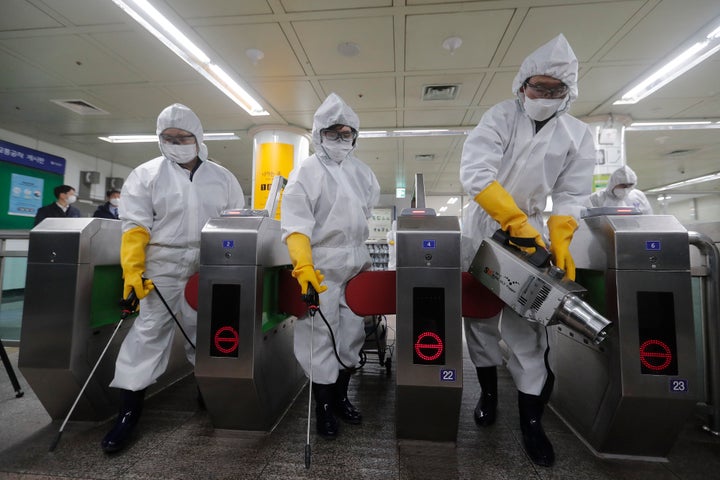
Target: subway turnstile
(429, 327)
(630, 396)
(245, 366)
(73, 286)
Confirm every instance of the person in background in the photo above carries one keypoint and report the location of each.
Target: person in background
(110, 208)
(621, 192)
(326, 206)
(165, 204)
(523, 150)
(391, 238)
(65, 196)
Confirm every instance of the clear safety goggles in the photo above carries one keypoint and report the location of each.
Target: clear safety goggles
(334, 135)
(544, 92)
(177, 139)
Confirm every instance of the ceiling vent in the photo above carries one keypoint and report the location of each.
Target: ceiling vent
(440, 92)
(81, 107)
(425, 157)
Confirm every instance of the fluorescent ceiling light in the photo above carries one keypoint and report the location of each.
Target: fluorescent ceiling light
(685, 183)
(400, 192)
(414, 132)
(698, 52)
(155, 23)
(442, 209)
(452, 200)
(154, 138)
(673, 125)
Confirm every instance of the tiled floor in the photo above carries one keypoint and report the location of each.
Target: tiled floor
(177, 441)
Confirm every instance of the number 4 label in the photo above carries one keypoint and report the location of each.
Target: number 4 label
(447, 375)
(679, 385)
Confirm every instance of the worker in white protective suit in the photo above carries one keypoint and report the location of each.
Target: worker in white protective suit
(621, 192)
(166, 202)
(326, 206)
(522, 151)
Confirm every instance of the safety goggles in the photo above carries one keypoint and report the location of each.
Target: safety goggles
(177, 139)
(334, 135)
(544, 92)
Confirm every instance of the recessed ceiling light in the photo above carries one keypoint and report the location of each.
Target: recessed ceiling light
(348, 49)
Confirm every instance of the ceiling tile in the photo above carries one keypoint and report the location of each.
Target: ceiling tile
(374, 36)
(480, 33)
(376, 92)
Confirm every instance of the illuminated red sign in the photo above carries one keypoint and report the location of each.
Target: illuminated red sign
(429, 346)
(226, 339)
(655, 355)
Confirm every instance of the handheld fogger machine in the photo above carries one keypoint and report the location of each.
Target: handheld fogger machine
(535, 289)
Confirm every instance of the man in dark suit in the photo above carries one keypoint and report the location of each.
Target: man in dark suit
(110, 208)
(61, 207)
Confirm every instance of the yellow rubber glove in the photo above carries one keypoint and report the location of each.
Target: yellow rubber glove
(562, 228)
(303, 270)
(499, 204)
(132, 260)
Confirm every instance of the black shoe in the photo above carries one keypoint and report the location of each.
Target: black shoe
(536, 443)
(327, 425)
(119, 436)
(343, 407)
(348, 412)
(486, 408)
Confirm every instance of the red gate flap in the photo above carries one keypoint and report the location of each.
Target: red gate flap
(191, 291)
(477, 300)
(372, 293)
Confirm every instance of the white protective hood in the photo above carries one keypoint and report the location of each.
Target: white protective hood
(333, 111)
(178, 115)
(554, 59)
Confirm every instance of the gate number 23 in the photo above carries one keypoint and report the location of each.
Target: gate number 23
(678, 385)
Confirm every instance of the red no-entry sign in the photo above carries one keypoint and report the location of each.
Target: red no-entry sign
(655, 355)
(429, 346)
(226, 339)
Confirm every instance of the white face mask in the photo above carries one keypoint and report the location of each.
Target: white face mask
(540, 109)
(179, 153)
(337, 151)
(71, 199)
(114, 202)
(621, 192)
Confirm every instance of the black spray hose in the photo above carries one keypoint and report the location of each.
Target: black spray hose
(174, 317)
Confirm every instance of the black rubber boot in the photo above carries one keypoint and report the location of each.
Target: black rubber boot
(130, 409)
(327, 425)
(536, 443)
(486, 408)
(343, 407)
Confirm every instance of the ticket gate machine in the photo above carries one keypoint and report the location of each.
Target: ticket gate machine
(429, 326)
(245, 366)
(73, 285)
(630, 396)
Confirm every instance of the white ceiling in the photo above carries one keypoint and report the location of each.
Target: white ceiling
(93, 51)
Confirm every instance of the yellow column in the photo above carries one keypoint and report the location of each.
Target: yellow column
(276, 150)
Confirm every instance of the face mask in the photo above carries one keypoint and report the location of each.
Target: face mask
(540, 109)
(114, 202)
(71, 199)
(179, 153)
(621, 192)
(337, 151)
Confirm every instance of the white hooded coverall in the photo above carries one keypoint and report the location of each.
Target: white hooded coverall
(173, 205)
(330, 201)
(558, 160)
(611, 196)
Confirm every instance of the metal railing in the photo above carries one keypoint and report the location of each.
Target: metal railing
(711, 318)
